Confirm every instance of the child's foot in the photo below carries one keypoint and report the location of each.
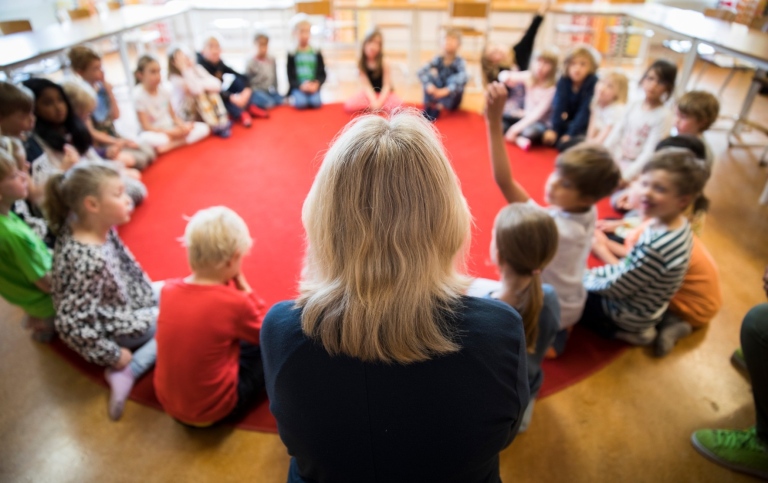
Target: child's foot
(738, 359)
(671, 330)
(258, 112)
(223, 132)
(523, 143)
(431, 113)
(641, 338)
(43, 330)
(245, 119)
(120, 385)
(738, 450)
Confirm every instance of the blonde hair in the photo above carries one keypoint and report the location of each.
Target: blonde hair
(213, 236)
(386, 227)
(621, 82)
(551, 57)
(526, 241)
(8, 163)
(591, 169)
(701, 105)
(14, 148)
(65, 192)
(454, 33)
(81, 97)
(81, 56)
(582, 50)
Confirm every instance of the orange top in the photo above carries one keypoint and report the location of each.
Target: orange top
(699, 298)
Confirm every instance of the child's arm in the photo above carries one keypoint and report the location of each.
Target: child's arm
(496, 96)
(425, 76)
(524, 48)
(100, 136)
(512, 78)
(290, 67)
(657, 133)
(44, 283)
(578, 125)
(320, 70)
(114, 108)
(252, 318)
(458, 80)
(606, 249)
(533, 114)
(370, 93)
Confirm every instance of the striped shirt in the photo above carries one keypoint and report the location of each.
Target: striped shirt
(637, 290)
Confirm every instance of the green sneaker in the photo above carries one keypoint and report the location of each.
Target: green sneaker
(737, 450)
(738, 359)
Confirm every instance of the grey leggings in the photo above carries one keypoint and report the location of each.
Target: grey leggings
(754, 343)
(144, 346)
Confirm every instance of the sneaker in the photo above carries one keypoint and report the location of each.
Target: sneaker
(245, 119)
(431, 113)
(523, 143)
(738, 450)
(641, 338)
(258, 112)
(738, 359)
(222, 132)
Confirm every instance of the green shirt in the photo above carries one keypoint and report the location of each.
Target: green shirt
(306, 65)
(24, 259)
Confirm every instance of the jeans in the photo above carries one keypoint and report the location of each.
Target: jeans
(266, 99)
(250, 381)
(302, 100)
(754, 343)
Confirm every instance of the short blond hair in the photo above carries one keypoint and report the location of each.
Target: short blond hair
(621, 82)
(386, 226)
(582, 50)
(454, 33)
(701, 105)
(81, 97)
(213, 236)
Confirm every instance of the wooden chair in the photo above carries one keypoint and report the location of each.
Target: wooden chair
(327, 26)
(470, 17)
(9, 27)
(78, 13)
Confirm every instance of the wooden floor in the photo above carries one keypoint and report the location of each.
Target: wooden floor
(630, 422)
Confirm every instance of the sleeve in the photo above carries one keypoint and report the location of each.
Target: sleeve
(253, 315)
(658, 131)
(514, 76)
(536, 113)
(42, 169)
(209, 82)
(424, 73)
(580, 122)
(320, 69)
(290, 67)
(614, 137)
(643, 266)
(559, 103)
(210, 68)
(524, 47)
(458, 80)
(33, 263)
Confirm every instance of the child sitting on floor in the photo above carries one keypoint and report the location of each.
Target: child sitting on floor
(444, 78)
(105, 304)
(25, 262)
(208, 356)
(523, 242)
(583, 175)
(628, 299)
(262, 75)
(608, 106)
(238, 97)
(573, 97)
(196, 93)
(377, 92)
(101, 123)
(695, 112)
(161, 128)
(539, 87)
(306, 68)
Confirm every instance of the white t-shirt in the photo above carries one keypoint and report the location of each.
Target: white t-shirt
(566, 271)
(155, 106)
(633, 140)
(607, 116)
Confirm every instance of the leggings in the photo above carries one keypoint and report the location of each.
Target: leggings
(754, 343)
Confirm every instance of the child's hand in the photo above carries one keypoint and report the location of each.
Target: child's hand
(125, 359)
(130, 144)
(495, 98)
(511, 134)
(549, 137)
(241, 283)
(430, 89)
(113, 151)
(565, 138)
(622, 201)
(181, 60)
(71, 157)
(599, 243)
(608, 226)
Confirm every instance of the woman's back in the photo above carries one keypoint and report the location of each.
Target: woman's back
(442, 420)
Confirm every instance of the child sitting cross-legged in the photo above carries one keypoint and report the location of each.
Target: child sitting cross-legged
(25, 262)
(262, 75)
(305, 67)
(628, 299)
(444, 78)
(583, 175)
(208, 356)
(377, 91)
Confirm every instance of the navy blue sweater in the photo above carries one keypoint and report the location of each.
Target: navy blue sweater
(444, 420)
(570, 110)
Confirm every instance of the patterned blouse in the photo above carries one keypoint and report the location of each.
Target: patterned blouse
(100, 292)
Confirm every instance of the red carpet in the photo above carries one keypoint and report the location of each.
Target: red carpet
(264, 174)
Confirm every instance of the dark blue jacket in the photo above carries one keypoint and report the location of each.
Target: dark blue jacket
(570, 110)
(444, 420)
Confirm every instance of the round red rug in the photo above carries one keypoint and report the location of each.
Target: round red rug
(265, 172)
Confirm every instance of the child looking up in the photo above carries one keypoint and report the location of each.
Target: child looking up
(583, 175)
(608, 106)
(25, 262)
(195, 95)
(646, 122)
(374, 73)
(306, 68)
(262, 75)
(214, 315)
(105, 305)
(237, 96)
(444, 78)
(539, 87)
(523, 242)
(101, 123)
(628, 299)
(695, 112)
(573, 96)
(161, 128)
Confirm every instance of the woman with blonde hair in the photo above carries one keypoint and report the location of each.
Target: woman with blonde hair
(382, 369)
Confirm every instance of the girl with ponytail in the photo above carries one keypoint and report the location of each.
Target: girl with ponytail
(524, 241)
(105, 304)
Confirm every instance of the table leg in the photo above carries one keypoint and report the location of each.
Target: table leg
(685, 73)
(125, 61)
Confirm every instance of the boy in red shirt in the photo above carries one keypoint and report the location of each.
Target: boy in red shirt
(208, 356)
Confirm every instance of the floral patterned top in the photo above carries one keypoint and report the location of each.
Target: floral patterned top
(100, 292)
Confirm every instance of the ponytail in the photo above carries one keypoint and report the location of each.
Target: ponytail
(700, 204)
(531, 303)
(55, 206)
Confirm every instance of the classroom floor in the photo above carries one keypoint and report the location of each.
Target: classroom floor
(629, 422)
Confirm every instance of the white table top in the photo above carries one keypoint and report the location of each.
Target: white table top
(241, 5)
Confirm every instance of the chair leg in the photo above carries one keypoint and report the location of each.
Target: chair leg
(726, 82)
